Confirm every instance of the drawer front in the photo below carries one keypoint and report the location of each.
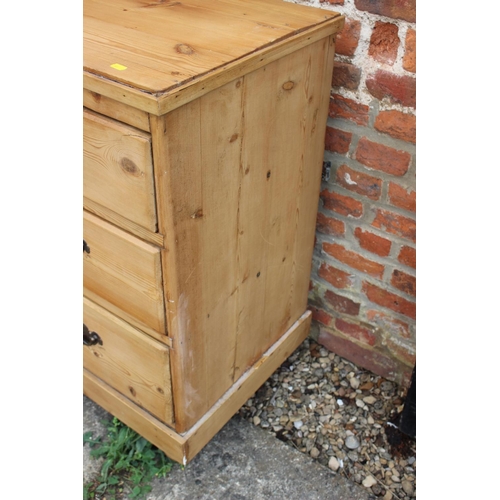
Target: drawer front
(118, 169)
(124, 271)
(129, 361)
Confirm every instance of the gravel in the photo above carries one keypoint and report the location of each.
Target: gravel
(340, 415)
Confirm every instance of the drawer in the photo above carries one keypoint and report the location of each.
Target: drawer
(129, 361)
(118, 169)
(123, 274)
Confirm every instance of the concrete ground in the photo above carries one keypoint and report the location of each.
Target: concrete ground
(242, 462)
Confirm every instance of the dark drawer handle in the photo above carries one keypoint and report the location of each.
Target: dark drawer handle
(90, 338)
(86, 248)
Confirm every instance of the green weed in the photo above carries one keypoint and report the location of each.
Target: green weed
(129, 460)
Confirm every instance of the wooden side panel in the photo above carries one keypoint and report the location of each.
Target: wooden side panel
(121, 112)
(237, 180)
(124, 271)
(118, 169)
(129, 361)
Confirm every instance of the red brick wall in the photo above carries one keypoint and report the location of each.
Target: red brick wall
(363, 286)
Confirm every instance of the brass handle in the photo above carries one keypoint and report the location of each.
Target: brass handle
(90, 338)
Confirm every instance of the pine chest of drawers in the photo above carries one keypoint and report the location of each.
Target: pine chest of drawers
(204, 125)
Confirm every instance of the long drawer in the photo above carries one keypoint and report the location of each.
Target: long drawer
(118, 169)
(129, 361)
(123, 274)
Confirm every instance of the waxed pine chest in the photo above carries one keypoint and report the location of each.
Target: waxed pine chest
(204, 128)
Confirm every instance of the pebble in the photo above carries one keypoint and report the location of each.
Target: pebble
(336, 412)
(369, 481)
(334, 464)
(408, 488)
(354, 382)
(352, 442)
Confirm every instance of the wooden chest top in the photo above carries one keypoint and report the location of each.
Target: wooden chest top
(152, 51)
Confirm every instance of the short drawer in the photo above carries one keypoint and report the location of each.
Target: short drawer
(124, 272)
(118, 169)
(129, 361)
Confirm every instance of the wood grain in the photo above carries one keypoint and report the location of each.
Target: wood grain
(118, 168)
(206, 45)
(116, 110)
(135, 417)
(236, 182)
(129, 361)
(124, 271)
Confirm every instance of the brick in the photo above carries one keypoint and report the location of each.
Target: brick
(395, 224)
(384, 42)
(354, 260)
(337, 141)
(397, 9)
(341, 107)
(372, 242)
(327, 225)
(365, 357)
(355, 330)
(390, 300)
(358, 182)
(398, 89)
(398, 125)
(347, 40)
(404, 282)
(346, 75)
(401, 351)
(320, 316)
(341, 204)
(400, 197)
(408, 256)
(334, 276)
(383, 158)
(392, 326)
(410, 57)
(342, 304)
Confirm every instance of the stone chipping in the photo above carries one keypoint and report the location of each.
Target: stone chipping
(342, 416)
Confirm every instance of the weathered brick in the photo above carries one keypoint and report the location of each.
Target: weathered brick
(390, 300)
(347, 40)
(397, 9)
(397, 124)
(402, 351)
(387, 323)
(404, 282)
(398, 89)
(408, 256)
(358, 182)
(342, 304)
(410, 57)
(400, 197)
(346, 75)
(372, 242)
(354, 260)
(328, 225)
(395, 224)
(341, 204)
(341, 107)
(337, 141)
(384, 42)
(334, 276)
(355, 330)
(365, 357)
(320, 315)
(383, 158)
